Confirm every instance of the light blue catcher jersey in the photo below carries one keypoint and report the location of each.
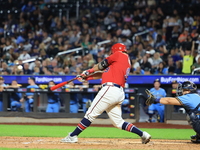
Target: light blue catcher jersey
(158, 93)
(189, 101)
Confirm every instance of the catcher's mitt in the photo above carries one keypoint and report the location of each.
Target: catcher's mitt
(151, 99)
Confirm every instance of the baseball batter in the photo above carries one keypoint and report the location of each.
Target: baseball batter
(115, 69)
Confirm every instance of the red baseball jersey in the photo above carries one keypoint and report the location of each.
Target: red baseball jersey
(118, 69)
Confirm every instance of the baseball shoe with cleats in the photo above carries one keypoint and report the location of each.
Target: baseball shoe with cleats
(70, 139)
(145, 137)
(195, 139)
(149, 121)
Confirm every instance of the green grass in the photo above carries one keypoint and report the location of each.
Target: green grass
(29, 149)
(91, 132)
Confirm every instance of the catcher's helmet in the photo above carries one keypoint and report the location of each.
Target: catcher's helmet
(186, 86)
(118, 47)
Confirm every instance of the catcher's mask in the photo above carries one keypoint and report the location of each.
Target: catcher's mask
(118, 47)
(186, 86)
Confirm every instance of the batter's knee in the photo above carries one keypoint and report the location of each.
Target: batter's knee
(90, 117)
(118, 124)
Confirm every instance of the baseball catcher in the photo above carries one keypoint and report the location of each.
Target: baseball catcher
(188, 98)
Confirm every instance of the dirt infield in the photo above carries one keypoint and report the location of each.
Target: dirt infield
(102, 143)
(96, 143)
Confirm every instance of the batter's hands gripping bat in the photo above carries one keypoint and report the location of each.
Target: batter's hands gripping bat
(61, 84)
(81, 78)
(151, 99)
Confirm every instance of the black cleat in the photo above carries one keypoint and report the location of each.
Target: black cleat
(195, 139)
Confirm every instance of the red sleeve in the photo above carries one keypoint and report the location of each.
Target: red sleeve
(112, 58)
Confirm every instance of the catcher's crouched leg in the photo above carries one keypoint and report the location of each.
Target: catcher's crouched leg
(195, 125)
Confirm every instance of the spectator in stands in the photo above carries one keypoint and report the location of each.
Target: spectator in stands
(29, 97)
(25, 55)
(2, 86)
(15, 97)
(144, 63)
(196, 64)
(175, 54)
(174, 35)
(28, 8)
(8, 54)
(189, 19)
(155, 60)
(179, 67)
(141, 51)
(150, 40)
(183, 36)
(35, 52)
(36, 63)
(158, 92)
(53, 50)
(66, 70)
(188, 58)
(5, 68)
(171, 65)
(26, 69)
(124, 39)
(91, 61)
(43, 55)
(135, 65)
(161, 69)
(147, 71)
(194, 34)
(17, 70)
(86, 42)
(126, 31)
(159, 41)
(73, 66)
(53, 105)
(163, 52)
(36, 71)
(59, 60)
(47, 71)
(138, 70)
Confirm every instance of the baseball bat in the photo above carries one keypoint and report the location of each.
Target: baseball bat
(61, 84)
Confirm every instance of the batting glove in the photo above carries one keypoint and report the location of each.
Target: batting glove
(80, 78)
(87, 72)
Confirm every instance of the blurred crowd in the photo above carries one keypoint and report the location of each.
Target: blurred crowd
(161, 36)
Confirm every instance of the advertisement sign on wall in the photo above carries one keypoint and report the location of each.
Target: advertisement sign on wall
(132, 79)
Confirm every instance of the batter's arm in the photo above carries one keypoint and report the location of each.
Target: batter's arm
(97, 67)
(170, 101)
(97, 75)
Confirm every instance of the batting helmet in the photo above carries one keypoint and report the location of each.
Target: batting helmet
(186, 86)
(118, 47)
